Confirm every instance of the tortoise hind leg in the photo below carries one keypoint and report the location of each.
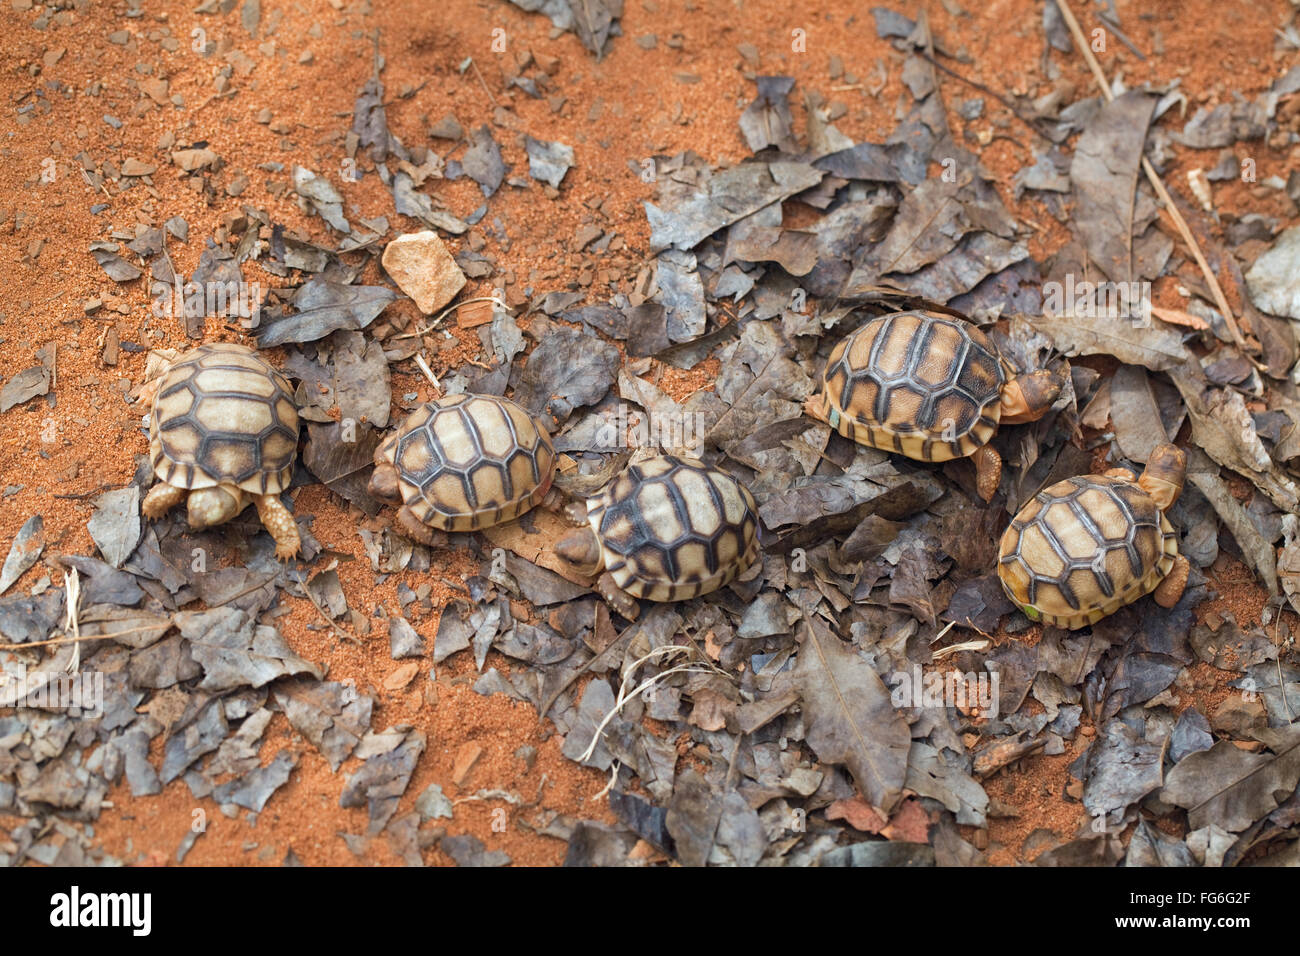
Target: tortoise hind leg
(815, 407)
(277, 519)
(1169, 590)
(988, 471)
(161, 499)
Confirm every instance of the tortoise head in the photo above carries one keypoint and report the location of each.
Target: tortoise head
(1026, 398)
(582, 550)
(212, 506)
(1163, 476)
(383, 483)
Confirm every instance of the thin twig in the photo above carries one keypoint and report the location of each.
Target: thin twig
(402, 96)
(249, 590)
(1220, 301)
(428, 372)
(1281, 683)
(1114, 28)
(88, 494)
(1009, 104)
(624, 695)
(64, 639)
(482, 82)
(614, 767)
(425, 330)
(306, 589)
(934, 74)
(946, 628)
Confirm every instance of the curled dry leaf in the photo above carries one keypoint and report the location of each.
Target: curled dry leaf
(24, 386)
(115, 526)
(1223, 428)
(1154, 347)
(323, 306)
(1231, 787)
(727, 196)
(1255, 549)
(1288, 562)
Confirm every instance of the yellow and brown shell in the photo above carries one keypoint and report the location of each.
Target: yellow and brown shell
(223, 415)
(674, 528)
(466, 462)
(918, 384)
(1084, 548)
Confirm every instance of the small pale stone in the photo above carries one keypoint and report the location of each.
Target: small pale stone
(466, 757)
(424, 269)
(134, 167)
(399, 678)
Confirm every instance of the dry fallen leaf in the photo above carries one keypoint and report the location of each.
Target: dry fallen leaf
(1257, 552)
(849, 716)
(26, 548)
(710, 710)
(1153, 347)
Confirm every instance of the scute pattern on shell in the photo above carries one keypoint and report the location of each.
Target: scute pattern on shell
(1085, 547)
(466, 462)
(223, 415)
(673, 528)
(918, 384)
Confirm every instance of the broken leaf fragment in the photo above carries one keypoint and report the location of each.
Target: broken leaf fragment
(26, 549)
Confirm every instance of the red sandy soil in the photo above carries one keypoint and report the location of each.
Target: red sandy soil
(684, 93)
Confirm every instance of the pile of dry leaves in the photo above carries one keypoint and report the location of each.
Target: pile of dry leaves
(780, 720)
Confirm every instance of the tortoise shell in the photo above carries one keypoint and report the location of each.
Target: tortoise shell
(1084, 548)
(223, 415)
(674, 528)
(466, 462)
(918, 384)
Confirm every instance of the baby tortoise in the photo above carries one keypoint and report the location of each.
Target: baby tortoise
(1087, 546)
(224, 432)
(462, 463)
(666, 529)
(929, 387)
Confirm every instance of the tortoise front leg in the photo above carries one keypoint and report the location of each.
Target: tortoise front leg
(277, 520)
(618, 599)
(988, 471)
(161, 499)
(419, 532)
(574, 512)
(556, 502)
(1169, 590)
